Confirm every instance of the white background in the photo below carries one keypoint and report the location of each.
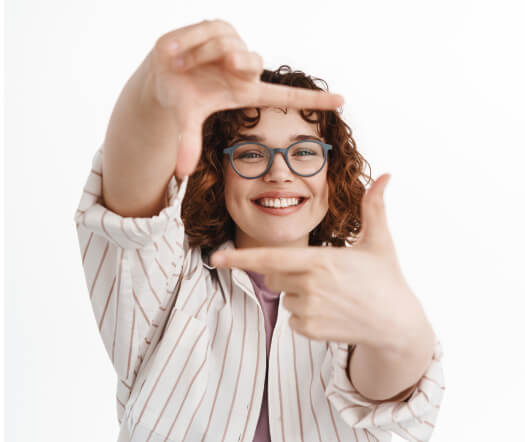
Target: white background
(434, 95)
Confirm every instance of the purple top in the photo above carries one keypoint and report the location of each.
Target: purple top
(269, 302)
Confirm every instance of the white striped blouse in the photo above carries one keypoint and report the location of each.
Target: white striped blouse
(203, 376)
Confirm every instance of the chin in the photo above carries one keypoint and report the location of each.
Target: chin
(281, 240)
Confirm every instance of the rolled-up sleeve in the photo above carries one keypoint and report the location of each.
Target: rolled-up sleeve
(413, 419)
(92, 216)
(130, 266)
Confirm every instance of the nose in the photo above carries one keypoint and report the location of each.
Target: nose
(279, 170)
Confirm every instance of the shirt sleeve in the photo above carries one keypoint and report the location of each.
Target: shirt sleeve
(412, 419)
(130, 265)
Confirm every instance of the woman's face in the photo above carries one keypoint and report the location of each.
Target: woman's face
(288, 227)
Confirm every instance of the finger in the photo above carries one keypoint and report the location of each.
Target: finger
(267, 259)
(300, 306)
(373, 212)
(189, 147)
(210, 51)
(185, 39)
(268, 94)
(247, 64)
(285, 282)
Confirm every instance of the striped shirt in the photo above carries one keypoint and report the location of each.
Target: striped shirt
(269, 302)
(196, 371)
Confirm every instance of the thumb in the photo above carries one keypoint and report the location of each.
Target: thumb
(373, 213)
(189, 149)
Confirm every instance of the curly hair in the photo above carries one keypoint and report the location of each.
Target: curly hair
(207, 222)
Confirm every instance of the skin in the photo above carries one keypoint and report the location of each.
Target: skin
(255, 228)
(355, 295)
(332, 293)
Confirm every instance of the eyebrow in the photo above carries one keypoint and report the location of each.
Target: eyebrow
(254, 137)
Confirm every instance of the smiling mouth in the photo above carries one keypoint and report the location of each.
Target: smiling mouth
(294, 203)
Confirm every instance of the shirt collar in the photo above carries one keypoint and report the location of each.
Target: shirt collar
(241, 279)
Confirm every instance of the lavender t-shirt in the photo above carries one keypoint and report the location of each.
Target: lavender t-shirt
(269, 302)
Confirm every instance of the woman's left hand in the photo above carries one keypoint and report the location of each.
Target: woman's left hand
(353, 295)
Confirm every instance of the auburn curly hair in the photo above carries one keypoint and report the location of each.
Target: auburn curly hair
(206, 221)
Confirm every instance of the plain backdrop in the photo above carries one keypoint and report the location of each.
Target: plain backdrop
(434, 95)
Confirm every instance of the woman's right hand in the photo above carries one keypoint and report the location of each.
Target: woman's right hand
(217, 73)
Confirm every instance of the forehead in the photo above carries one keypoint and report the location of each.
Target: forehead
(279, 121)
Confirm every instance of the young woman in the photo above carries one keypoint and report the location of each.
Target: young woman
(203, 230)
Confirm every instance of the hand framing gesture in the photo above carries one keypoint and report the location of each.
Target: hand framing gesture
(354, 295)
(206, 67)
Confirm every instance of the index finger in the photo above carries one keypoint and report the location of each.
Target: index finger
(271, 94)
(264, 259)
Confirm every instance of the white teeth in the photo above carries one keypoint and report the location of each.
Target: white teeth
(279, 202)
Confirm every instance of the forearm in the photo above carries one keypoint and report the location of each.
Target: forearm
(140, 150)
(390, 375)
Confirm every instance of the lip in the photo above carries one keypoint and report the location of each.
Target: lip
(278, 211)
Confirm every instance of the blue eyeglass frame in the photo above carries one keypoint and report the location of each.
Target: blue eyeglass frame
(273, 150)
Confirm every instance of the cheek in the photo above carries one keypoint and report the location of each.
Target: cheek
(232, 186)
(323, 191)
(228, 187)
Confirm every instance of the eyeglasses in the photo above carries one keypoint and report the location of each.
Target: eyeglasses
(252, 160)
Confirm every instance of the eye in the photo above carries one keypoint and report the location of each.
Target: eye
(306, 150)
(249, 155)
(304, 153)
